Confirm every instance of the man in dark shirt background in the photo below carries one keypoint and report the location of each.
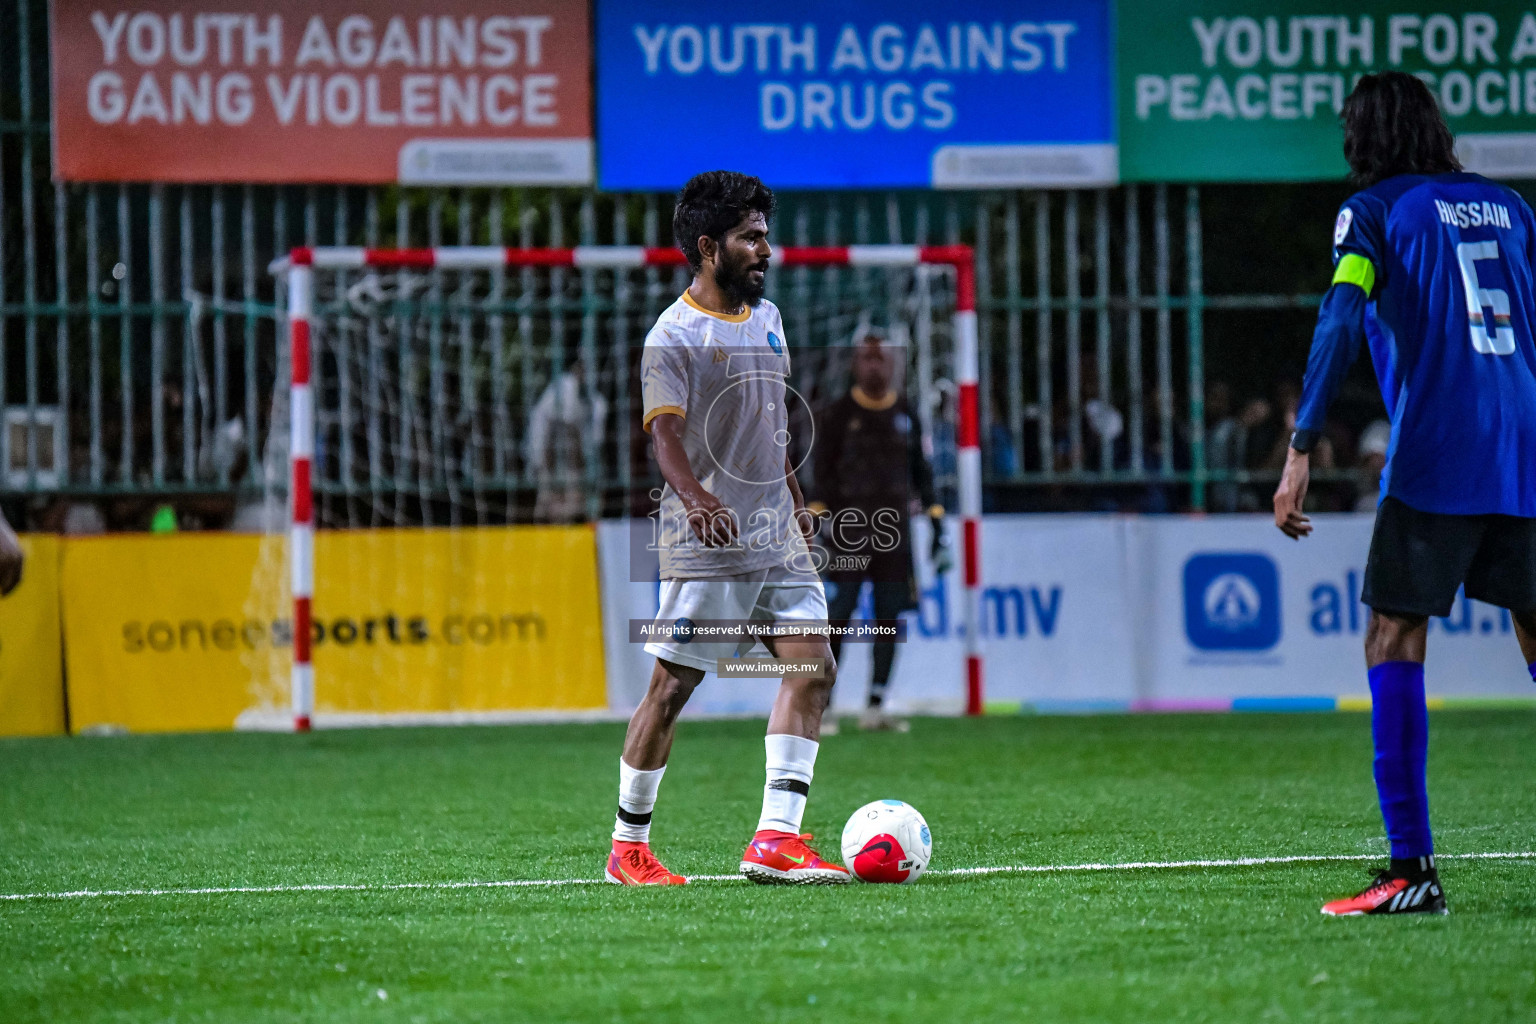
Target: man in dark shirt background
(869, 465)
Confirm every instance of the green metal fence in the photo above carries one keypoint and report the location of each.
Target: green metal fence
(138, 328)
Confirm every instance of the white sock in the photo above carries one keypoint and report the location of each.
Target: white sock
(637, 797)
(791, 762)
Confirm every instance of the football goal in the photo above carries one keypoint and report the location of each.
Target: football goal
(439, 399)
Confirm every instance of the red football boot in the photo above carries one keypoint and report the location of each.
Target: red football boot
(1393, 894)
(783, 858)
(635, 864)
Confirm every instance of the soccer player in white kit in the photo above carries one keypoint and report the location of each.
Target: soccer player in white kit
(732, 530)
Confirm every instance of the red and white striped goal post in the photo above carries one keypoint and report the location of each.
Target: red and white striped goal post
(298, 269)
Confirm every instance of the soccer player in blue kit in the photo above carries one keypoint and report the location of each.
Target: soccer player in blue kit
(1433, 267)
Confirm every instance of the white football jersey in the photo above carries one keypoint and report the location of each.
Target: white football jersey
(727, 376)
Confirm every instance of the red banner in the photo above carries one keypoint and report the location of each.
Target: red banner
(451, 92)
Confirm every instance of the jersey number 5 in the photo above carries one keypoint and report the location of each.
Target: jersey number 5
(1495, 339)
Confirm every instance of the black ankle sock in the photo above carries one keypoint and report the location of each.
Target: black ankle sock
(1413, 867)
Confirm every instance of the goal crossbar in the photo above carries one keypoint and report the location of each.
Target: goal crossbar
(298, 269)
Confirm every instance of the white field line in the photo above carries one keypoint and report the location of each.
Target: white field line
(546, 883)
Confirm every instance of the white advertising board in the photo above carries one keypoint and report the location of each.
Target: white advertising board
(1110, 612)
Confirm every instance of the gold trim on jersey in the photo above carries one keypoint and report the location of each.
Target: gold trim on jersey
(873, 404)
(737, 318)
(645, 424)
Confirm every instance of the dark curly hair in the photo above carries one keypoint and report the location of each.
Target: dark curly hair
(1392, 126)
(714, 202)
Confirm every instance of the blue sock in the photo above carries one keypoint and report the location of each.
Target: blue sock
(1400, 732)
(1532, 667)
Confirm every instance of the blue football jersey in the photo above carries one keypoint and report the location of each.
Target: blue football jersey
(1446, 261)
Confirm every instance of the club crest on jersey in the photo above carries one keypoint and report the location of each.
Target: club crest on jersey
(1341, 226)
(775, 344)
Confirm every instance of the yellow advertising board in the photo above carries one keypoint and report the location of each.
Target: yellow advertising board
(158, 636)
(189, 632)
(31, 670)
(487, 619)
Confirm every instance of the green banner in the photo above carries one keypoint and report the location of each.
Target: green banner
(1243, 90)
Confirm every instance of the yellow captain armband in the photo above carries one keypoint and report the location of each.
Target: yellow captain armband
(1357, 270)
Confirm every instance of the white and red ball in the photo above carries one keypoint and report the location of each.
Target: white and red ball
(887, 841)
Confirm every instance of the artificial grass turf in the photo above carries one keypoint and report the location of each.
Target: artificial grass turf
(396, 806)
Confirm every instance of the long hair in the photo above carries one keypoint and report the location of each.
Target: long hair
(1392, 126)
(714, 202)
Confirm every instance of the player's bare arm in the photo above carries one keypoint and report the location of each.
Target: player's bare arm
(10, 558)
(1336, 343)
(1291, 495)
(713, 522)
(804, 518)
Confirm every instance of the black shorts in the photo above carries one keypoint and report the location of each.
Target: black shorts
(1419, 559)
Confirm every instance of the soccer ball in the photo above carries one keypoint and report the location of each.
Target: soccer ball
(887, 841)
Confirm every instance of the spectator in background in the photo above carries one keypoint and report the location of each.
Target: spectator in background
(1264, 419)
(1160, 448)
(1103, 426)
(1004, 460)
(1373, 459)
(10, 557)
(1254, 415)
(68, 515)
(1225, 438)
(1246, 437)
(565, 424)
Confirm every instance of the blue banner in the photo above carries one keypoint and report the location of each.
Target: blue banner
(856, 94)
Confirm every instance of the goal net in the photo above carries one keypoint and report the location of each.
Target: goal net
(453, 422)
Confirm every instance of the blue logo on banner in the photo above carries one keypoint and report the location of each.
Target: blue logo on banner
(775, 344)
(858, 94)
(1232, 602)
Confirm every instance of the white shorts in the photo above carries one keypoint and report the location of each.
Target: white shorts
(774, 594)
